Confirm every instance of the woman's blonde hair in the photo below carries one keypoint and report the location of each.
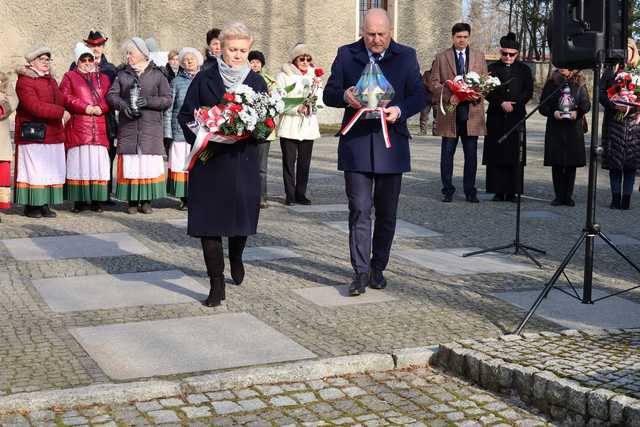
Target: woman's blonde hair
(172, 53)
(235, 31)
(635, 58)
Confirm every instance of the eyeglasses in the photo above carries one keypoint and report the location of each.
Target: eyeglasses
(509, 54)
(44, 59)
(85, 60)
(305, 58)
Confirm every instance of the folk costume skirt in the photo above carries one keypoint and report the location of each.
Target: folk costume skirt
(5, 184)
(178, 176)
(40, 174)
(88, 173)
(140, 177)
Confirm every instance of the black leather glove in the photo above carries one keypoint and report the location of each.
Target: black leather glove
(142, 102)
(128, 112)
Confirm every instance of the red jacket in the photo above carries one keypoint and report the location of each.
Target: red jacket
(39, 100)
(84, 129)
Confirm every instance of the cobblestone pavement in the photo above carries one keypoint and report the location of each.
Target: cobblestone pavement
(37, 351)
(594, 359)
(419, 397)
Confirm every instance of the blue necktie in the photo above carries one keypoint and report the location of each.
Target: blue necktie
(461, 67)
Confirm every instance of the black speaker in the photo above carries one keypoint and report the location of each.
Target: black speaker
(585, 32)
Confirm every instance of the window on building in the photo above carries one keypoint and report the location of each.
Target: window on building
(365, 5)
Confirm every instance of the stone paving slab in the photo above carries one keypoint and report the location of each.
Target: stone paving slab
(450, 262)
(178, 223)
(319, 208)
(268, 253)
(416, 397)
(610, 313)
(104, 291)
(404, 229)
(587, 377)
(78, 246)
(535, 214)
(338, 296)
(318, 176)
(164, 347)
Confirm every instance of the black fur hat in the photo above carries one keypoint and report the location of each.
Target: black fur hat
(509, 42)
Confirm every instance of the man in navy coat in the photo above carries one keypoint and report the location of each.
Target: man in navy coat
(373, 172)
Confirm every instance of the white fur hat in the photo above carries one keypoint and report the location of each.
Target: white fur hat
(298, 50)
(82, 49)
(36, 51)
(193, 51)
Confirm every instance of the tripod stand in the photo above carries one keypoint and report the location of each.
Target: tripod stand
(519, 247)
(591, 229)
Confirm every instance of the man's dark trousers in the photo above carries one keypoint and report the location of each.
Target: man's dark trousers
(470, 148)
(364, 191)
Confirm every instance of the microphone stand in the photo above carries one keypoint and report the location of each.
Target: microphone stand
(516, 244)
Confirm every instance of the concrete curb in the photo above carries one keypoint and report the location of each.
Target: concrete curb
(117, 393)
(564, 400)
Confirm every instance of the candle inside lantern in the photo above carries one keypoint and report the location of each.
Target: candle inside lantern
(372, 99)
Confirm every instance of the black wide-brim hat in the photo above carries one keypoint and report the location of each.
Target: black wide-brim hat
(95, 38)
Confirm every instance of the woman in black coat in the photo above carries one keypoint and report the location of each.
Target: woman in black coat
(564, 148)
(620, 139)
(224, 192)
(506, 108)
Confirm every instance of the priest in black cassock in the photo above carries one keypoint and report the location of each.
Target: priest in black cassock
(506, 108)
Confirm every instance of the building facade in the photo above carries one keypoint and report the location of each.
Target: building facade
(277, 24)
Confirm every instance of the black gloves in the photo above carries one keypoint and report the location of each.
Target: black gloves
(128, 112)
(142, 102)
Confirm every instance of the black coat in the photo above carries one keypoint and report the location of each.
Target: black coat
(620, 140)
(517, 87)
(564, 139)
(224, 192)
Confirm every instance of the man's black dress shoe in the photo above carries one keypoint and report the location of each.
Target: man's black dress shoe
(377, 280)
(472, 198)
(359, 284)
(448, 198)
(303, 200)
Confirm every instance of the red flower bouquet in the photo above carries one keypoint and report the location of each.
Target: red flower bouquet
(470, 87)
(240, 115)
(625, 91)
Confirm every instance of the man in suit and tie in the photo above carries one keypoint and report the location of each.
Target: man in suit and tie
(467, 121)
(373, 172)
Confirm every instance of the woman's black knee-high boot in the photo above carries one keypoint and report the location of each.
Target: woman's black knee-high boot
(236, 248)
(214, 259)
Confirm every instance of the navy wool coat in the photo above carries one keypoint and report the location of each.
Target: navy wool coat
(363, 148)
(224, 192)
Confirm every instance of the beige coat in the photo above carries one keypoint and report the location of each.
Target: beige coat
(444, 68)
(294, 125)
(8, 103)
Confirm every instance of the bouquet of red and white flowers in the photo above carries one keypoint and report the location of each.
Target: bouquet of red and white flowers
(470, 87)
(309, 93)
(626, 91)
(241, 114)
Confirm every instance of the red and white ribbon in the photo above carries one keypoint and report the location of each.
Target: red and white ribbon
(203, 138)
(383, 122)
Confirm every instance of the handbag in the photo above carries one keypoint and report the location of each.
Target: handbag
(33, 131)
